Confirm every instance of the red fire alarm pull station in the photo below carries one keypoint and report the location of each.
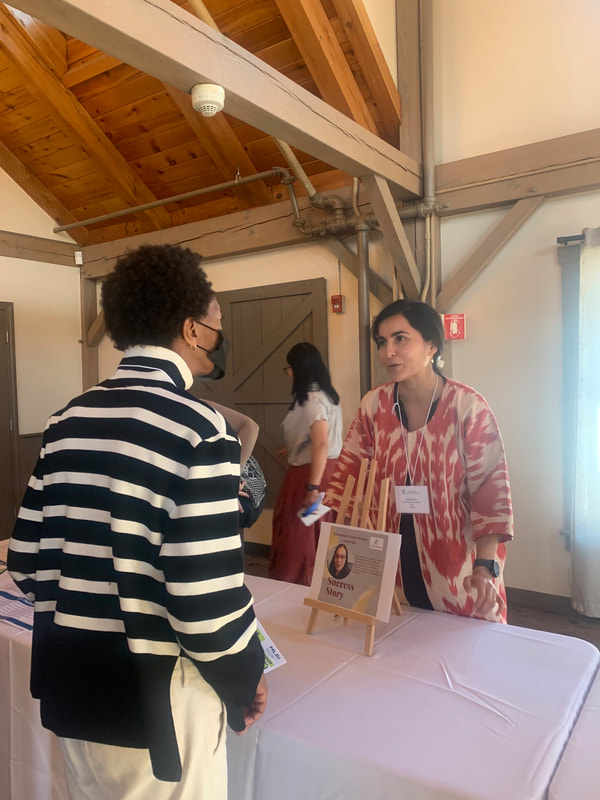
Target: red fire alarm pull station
(455, 326)
(337, 303)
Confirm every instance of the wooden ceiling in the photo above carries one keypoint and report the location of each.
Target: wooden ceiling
(85, 134)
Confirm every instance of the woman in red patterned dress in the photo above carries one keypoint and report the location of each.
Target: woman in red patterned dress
(439, 442)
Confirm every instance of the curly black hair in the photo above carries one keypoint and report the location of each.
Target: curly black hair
(151, 292)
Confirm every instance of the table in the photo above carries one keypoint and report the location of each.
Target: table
(447, 708)
(578, 774)
(31, 765)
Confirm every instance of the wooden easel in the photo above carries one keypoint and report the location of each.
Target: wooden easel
(366, 473)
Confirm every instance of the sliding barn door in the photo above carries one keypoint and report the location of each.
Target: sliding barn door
(262, 324)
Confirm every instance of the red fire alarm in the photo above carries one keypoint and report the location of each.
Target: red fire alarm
(337, 303)
(455, 326)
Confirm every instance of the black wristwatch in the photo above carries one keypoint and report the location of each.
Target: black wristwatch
(312, 487)
(490, 564)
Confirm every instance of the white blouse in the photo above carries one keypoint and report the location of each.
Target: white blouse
(298, 422)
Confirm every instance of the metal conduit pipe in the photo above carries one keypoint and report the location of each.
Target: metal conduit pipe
(426, 15)
(348, 225)
(299, 223)
(296, 167)
(429, 202)
(259, 176)
(364, 326)
(332, 201)
(316, 198)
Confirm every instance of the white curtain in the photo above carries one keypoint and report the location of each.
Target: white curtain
(585, 550)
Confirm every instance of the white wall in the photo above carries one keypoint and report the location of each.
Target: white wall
(508, 74)
(513, 72)
(46, 311)
(513, 357)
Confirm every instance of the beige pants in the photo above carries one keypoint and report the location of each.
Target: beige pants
(106, 772)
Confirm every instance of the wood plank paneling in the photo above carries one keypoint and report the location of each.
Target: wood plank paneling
(105, 81)
(159, 139)
(38, 192)
(16, 135)
(131, 121)
(124, 95)
(88, 68)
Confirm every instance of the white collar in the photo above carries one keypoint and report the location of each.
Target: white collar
(164, 353)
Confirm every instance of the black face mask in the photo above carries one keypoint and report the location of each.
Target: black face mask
(218, 355)
(219, 359)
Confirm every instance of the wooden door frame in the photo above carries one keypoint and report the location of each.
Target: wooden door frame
(13, 403)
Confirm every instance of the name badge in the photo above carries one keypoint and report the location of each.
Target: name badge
(412, 499)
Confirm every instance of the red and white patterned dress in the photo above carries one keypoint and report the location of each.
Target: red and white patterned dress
(462, 462)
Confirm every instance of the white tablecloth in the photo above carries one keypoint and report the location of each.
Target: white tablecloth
(446, 709)
(31, 766)
(578, 774)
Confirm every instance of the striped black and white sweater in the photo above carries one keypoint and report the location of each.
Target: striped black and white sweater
(127, 541)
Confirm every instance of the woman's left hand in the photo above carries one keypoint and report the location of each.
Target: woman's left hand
(310, 498)
(487, 597)
(242, 493)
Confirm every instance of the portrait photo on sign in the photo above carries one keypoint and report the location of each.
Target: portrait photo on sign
(355, 568)
(340, 561)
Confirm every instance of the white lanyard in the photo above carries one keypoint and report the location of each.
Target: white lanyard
(396, 406)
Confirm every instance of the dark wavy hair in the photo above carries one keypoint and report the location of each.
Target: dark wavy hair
(423, 318)
(309, 368)
(151, 292)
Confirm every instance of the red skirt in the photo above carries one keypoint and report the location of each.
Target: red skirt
(294, 546)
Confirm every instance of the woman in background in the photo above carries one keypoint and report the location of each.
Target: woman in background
(439, 442)
(312, 433)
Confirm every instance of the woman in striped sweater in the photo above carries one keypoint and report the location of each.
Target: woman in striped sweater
(127, 541)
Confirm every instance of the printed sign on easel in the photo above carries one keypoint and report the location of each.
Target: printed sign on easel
(355, 569)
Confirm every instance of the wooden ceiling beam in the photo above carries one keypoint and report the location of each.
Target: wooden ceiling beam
(485, 252)
(408, 40)
(377, 286)
(50, 44)
(560, 166)
(24, 178)
(395, 236)
(516, 162)
(326, 62)
(216, 134)
(37, 248)
(44, 85)
(223, 147)
(250, 231)
(360, 33)
(167, 42)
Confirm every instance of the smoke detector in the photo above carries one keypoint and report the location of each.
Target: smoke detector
(208, 98)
